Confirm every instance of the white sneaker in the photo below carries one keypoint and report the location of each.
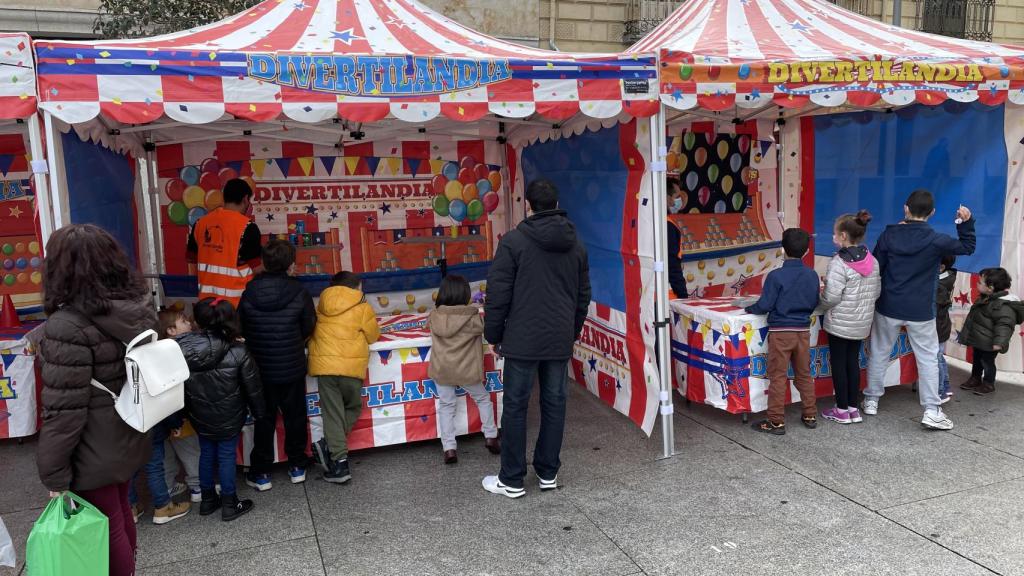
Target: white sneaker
(548, 484)
(936, 420)
(494, 486)
(871, 406)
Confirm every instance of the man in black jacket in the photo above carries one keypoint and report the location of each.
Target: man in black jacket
(277, 318)
(538, 292)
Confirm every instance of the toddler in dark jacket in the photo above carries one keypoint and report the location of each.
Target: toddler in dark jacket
(224, 384)
(989, 327)
(943, 324)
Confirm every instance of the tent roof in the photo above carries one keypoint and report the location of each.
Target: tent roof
(716, 54)
(313, 60)
(17, 77)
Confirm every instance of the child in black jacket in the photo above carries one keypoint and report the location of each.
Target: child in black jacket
(223, 386)
(989, 327)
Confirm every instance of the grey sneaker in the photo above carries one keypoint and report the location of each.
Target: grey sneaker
(936, 420)
(871, 406)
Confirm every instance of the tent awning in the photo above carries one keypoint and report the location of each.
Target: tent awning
(717, 54)
(314, 60)
(17, 77)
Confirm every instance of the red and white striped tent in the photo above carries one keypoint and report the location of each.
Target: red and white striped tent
(17, 77)
(720, 54)
(315, 60)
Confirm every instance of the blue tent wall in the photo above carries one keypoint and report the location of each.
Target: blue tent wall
(874, 160)
(100, 190)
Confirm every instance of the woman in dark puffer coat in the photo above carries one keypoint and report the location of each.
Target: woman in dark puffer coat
(94, 301)
(224, 384)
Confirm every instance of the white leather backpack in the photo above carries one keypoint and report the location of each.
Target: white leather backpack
(155, 384)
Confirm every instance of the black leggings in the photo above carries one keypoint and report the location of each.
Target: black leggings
(984, 366)
(845, 356)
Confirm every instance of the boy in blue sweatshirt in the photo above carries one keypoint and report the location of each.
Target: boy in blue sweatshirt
(908, 255)
(789, 297)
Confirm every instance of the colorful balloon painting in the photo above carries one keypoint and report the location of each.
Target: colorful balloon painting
(453, 190)
(440, 205)
(714, 171)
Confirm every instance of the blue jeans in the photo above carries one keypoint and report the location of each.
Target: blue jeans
(155, 467)
(943, 372)
(518, 382)
(217, 456)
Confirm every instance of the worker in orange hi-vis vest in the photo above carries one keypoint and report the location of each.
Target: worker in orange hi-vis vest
(224, 246)
(676, 280)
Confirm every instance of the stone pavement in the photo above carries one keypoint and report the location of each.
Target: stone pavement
(884, 497)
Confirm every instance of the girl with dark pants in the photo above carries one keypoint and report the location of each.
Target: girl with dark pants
(94, 301)
(852, 285)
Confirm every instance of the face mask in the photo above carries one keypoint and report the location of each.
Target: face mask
(676, 206)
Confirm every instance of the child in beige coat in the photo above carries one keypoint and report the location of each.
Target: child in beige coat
(457, 361)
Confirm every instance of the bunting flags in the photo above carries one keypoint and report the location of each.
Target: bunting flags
(436, 166)
(351, 163)
(414, 165)
(395, 165)
(306, 163)
(257, 167)
(328, 162)
(373, 162)
(284, 164)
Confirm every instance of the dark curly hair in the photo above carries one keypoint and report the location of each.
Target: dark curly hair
(86, 269)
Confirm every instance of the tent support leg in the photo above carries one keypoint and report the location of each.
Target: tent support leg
(664, 348)
(39, 178)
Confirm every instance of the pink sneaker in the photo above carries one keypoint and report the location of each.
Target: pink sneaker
(855, 416)
(836, 415)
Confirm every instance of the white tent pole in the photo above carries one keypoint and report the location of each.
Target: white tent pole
(661, 321)
(39, 171)
(148, 196)
(58, 181)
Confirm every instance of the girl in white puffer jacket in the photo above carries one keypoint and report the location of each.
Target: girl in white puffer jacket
(852, 285)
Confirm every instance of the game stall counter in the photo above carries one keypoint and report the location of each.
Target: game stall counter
(19, 383)
(399, 399)
(719, 356)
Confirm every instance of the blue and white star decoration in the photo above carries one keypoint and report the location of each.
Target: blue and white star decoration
(593, 363)
(311, 209)
(799, 26)
(300, 6)
(385, 208)
(346, 36)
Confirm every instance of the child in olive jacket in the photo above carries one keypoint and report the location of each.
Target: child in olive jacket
(989, 327)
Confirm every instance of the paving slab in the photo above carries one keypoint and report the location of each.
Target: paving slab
(280, 515)
(993, 420)
(405, 512)
(985, 524)
(299, 557)
(886, 461)
(19, 524)
(747, 515)
(22, 489)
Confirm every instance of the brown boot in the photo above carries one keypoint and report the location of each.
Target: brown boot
(170, 512)
(970, 384)
(985, 388)
(493, 445)
(451, 456)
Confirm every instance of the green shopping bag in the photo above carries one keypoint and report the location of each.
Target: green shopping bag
(70, 537)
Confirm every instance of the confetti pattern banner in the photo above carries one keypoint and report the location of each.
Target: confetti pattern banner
(314, 60)
(721, 54)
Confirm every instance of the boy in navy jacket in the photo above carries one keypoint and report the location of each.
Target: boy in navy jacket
(789, 297)
(908, 255)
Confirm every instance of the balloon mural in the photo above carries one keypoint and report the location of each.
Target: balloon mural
(198, 190)
(465, 190)
(714, 175)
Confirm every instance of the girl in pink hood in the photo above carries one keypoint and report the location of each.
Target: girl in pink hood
(852, 285)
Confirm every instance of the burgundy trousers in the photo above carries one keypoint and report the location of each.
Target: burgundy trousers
(112, 500)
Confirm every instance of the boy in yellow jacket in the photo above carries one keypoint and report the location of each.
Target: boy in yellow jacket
(339, 353)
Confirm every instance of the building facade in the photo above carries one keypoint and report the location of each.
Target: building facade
(580, 25)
